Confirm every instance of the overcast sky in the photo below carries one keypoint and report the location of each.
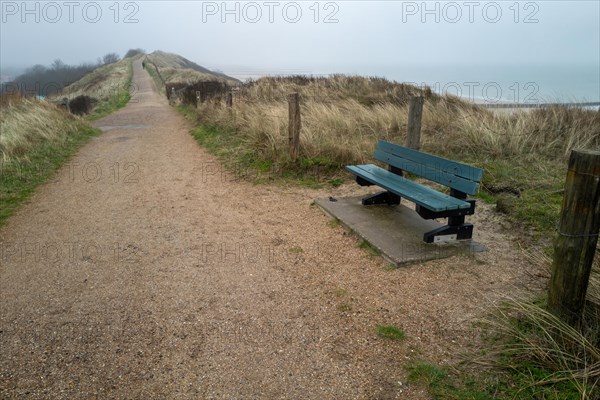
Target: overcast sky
(308, 36)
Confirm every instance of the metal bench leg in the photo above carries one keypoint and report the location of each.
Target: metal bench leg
(381, 198)
(455, 230)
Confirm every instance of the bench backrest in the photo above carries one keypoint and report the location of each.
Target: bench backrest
(455, 175)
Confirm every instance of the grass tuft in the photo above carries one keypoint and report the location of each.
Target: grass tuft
(344, 307)
(390, 332)
(371, 250)
(546, 357)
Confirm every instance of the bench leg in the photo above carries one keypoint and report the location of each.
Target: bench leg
(382, 198)
(363, 182)
(456, 226)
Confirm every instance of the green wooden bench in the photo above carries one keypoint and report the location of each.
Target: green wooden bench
(430, 204)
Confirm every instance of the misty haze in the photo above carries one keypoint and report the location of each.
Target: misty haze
(299, 199)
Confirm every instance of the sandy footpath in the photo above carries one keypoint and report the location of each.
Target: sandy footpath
(145, 271)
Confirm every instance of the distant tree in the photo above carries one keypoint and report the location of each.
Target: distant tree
(47, 81)
(134, 52)
(110, 58)
(57, 64)
(36, 69)
(40, 80)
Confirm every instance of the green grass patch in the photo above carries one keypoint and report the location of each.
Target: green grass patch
(320, 161)
(390, 267)
(371, 250)
(295, 250)
(333, 223)
(390, 332)
(18, 179)
(430, 375)
(539, 185)
(336, 182)
(522, 382)
(486, 197)
(441, 385)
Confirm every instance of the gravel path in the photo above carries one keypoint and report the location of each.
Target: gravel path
(143, 270)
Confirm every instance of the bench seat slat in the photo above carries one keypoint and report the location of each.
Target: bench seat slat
(436, 173)
(448, 166)
(419, 194)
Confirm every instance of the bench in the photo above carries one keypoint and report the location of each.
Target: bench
(430, 204)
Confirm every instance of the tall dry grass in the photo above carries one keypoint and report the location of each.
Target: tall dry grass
(341, 133)
(548, 132)
(546, 356)
(344, 116)
(171, 75)
(26, 123)
(104, 84)
(365, 90)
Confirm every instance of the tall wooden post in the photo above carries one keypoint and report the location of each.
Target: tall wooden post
(415, 112)
(577, 237)
(229, 99)
(294, 125)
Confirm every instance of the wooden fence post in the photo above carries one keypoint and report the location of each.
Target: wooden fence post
(415, 111)
(575, 245)
(198, 98)
(294, 125)
(229, 99)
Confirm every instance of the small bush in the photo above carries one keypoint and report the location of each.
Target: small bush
(82, 104)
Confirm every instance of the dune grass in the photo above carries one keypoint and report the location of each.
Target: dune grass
(343, 117)
(36, 139)
(174, 68)
(547, 357)
(530, 355)
(184, 75)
